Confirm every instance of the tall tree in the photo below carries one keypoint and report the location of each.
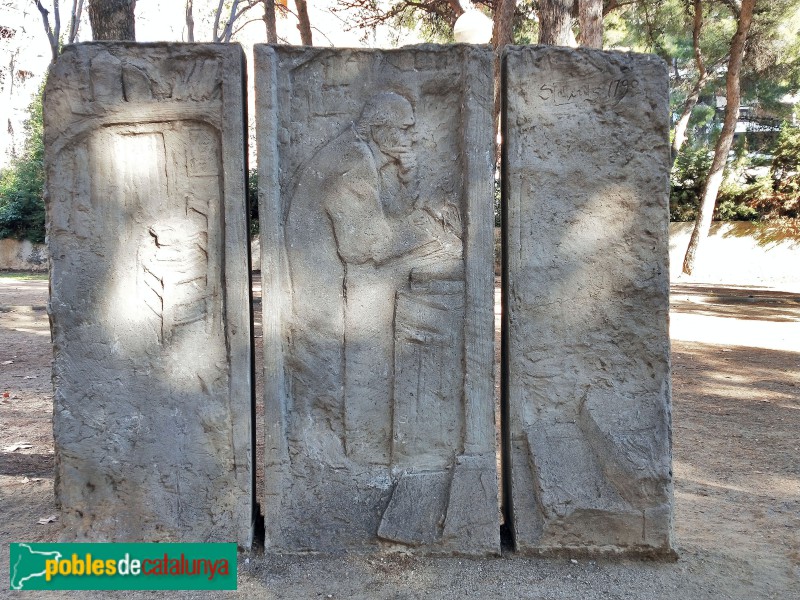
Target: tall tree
(502, 36)
(54, 31)
(112, 19)
(590, 19)
(303, 22)
(270, 22)
(744, 13)
(702, 78)
(555, 22)
(189, 20)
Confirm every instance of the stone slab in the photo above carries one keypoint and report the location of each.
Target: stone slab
(586, 301)
(149, 292)
(376, 179)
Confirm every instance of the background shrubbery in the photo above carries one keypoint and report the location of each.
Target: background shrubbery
(763, 185)
(21, 183)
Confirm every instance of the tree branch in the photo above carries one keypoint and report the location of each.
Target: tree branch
(303, 22)
(217, 15)
(75, 20)
(269, 21)
(189, 20)
(52, 36)
(615, 4)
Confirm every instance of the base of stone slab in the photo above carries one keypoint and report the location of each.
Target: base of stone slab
(439, 513)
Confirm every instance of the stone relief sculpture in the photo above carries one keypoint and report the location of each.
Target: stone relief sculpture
(372, 267)
(146, 222)
(372, 240)
(586, 346)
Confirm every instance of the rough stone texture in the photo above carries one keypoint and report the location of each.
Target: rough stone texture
(376, 222)
(149, 296)
(586, 346)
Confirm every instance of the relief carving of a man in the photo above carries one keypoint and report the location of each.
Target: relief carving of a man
(354, 234)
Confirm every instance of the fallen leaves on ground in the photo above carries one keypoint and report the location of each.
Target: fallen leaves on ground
(46, 520)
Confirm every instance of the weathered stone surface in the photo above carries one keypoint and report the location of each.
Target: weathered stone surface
(149, 296)
(376, 222)
(586, 345)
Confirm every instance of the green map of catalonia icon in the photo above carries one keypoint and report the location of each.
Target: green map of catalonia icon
(28, 564)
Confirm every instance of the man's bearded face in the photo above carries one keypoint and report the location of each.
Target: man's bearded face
(394, 140)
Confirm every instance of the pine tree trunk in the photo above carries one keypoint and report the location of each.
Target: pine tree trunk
(683, 122)
(270, 22)
(703, 223)
(502, 35)
(189, 20)
(112, 19)
(702, 78)
(555, 22)
(590, 18)
(303, 23)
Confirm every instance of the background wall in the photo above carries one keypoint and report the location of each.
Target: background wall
(22, 255)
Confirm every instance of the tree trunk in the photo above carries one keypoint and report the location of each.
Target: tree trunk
(112, 19)
(52, 33)
(555, 22)
(502, 35)
(269, 21)
(683, 122)
(303, 23)
(702, 77)
(590, 18)
(709, 201)
(75, 20)
(189, 20)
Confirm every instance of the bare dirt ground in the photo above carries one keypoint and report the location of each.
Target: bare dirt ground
(736, 436)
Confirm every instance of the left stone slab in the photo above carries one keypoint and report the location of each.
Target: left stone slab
(149, 292)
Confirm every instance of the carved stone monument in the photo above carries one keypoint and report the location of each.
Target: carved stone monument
(149, 300)
(586, 346)
(375, 175)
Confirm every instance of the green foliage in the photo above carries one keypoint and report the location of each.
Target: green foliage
(526, 27)
(702, 116)
(778, 196)
(785, 168)
(772, 196)
(772, 60)
(687, 180)
(22, 182)
(252, 200)
(734, 202)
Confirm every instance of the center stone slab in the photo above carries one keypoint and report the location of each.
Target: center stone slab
(375, 188)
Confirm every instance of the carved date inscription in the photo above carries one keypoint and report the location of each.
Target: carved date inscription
(593, 91)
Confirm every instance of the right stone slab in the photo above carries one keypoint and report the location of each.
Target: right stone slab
(586, 301)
